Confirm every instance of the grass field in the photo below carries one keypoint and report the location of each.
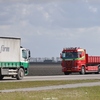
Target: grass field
(83, 93)
(28, 84)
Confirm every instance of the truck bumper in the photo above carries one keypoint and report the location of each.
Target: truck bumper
(74, 69)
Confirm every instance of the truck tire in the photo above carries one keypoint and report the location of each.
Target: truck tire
(1, 77)
(20, 74)
(67, 73)
(98, 70)
(82, 70)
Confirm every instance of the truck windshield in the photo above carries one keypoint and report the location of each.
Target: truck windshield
(69, 55)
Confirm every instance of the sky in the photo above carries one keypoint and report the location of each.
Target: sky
(47, 26)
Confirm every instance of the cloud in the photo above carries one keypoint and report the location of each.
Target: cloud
(90, 4)
(50, 24)
(50, 18)
(93, 9)
(49, 15)
(93, 1)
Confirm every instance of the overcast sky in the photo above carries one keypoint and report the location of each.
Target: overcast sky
(47, 26)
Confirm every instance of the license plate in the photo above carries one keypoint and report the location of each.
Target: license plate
(69, 70)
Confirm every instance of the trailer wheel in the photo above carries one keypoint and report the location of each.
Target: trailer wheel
(20, 74)
(82, 70)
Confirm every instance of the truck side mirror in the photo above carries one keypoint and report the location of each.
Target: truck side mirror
(29, 54)
(80, 55)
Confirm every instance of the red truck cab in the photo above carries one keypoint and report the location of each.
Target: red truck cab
(76, 60)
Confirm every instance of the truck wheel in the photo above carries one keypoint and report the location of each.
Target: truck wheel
(1, 77)
(82, 70)
(20, 74)
(98, 70)
(67, 73)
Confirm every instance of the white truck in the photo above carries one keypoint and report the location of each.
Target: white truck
(14, 59)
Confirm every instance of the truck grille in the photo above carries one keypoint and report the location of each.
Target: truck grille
(68, 64)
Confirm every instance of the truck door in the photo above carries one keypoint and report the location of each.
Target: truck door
(24, 58)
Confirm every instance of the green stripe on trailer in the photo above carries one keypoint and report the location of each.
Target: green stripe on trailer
(13, 64)
(9, 64)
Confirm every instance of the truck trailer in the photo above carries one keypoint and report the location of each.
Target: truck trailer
(14, 59)
(77, 60)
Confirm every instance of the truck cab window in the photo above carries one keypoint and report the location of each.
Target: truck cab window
(63, 55)
(24, 54)
(69, 55)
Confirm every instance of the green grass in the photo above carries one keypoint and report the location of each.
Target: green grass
(83, 93)
(15, 85)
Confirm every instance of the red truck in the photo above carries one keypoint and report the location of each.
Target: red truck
(77, 60)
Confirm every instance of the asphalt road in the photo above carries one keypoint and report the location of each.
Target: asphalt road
(56, 77)
(62, 77)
